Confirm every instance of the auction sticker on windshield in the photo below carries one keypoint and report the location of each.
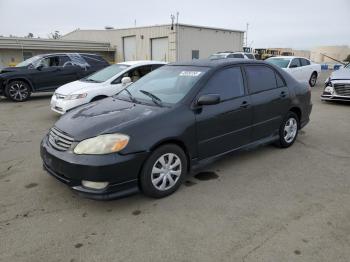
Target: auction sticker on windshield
(190, 73)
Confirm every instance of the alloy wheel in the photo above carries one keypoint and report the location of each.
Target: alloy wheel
(166, 171)
(290, 130)
(18, 91)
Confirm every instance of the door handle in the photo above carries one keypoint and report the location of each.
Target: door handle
(244, 104)
(283, 94)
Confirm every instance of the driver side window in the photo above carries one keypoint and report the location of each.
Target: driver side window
(50, 61)
(134, 74)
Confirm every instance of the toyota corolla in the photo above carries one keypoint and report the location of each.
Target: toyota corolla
(175, 119)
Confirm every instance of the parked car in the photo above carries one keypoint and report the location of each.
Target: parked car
(104, 83)
(300, 68)
(337, 86)
(223, 55)
(173, 120)
(44, 73)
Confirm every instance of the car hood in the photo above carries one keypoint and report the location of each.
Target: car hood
(109, 115)
(76, 86)
(341, 74)
(12, 69)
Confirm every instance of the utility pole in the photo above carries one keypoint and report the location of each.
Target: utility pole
(246, 35)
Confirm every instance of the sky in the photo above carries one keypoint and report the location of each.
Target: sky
(300, 24)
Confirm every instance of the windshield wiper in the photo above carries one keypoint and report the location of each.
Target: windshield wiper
(133, 99)
(154, 98)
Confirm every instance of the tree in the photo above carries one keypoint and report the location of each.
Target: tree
(55, 35)
(347, 59)
(30, 35)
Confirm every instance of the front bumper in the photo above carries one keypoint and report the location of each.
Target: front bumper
(121, 171)
(62, 106)
(328, 97)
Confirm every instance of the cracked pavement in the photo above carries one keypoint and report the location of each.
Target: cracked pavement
(267, 204)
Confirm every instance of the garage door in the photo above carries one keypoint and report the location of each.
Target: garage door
(129, 46)
(160, 50)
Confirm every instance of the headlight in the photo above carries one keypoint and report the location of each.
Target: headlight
(103, 144)
(75, 96)
(329, 89)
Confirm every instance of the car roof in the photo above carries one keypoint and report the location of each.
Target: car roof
(142, 62)
(288, 57)
(213, 63)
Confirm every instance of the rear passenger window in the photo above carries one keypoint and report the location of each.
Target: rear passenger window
(260, 78)
(304, 62)
(238, 56)
(228, 83)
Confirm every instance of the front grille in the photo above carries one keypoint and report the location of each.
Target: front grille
(342, 89)
(59, 140)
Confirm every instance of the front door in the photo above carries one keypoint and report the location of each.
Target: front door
(227, 125)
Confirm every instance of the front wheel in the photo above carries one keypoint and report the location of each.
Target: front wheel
(313, 79)
(163, 171)
(18, 91)
(288, 131)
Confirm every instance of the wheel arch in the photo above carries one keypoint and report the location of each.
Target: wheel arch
(297, 111)
(24, 79)
(98, 97)
(177, 142)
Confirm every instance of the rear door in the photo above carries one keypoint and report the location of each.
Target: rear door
(227, 125)
(269, 98)
(306, 69)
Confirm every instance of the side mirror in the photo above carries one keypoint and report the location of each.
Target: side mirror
(39, 67)
(211, 99)
(126, 80)
(293, 66)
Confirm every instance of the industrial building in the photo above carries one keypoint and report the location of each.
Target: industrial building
(177, 42)
(16, 49)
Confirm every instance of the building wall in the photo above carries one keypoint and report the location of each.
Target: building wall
(337, 52)
(143, 39)
(207, 41)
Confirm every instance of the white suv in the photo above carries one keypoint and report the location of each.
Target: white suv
(106, 82)
(223, 55)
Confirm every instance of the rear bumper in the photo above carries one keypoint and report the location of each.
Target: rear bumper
(306, 119)
(120, 171)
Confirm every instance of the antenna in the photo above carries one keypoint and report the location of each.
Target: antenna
(172, 17)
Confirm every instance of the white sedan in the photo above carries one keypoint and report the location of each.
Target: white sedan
(106, 82)
(300, 68)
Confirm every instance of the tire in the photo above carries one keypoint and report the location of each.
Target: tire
(288, 131)
(17, 91)
(158, 179)
(313, 79)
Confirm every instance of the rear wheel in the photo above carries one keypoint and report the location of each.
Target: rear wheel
(17, 91)
(313, 79)
(288, 131)
(163, 171)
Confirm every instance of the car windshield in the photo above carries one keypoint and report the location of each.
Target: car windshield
(106, 73)
(217, 56)
(30, 61)
(166, 85)
(347, 66)
(281, 62)
(250, 56)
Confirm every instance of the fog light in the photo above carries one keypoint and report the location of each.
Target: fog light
(94, 185)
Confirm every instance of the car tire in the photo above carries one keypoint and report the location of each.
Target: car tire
(288, 131)
(313, 79)
(164, 171)
(17, 91)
